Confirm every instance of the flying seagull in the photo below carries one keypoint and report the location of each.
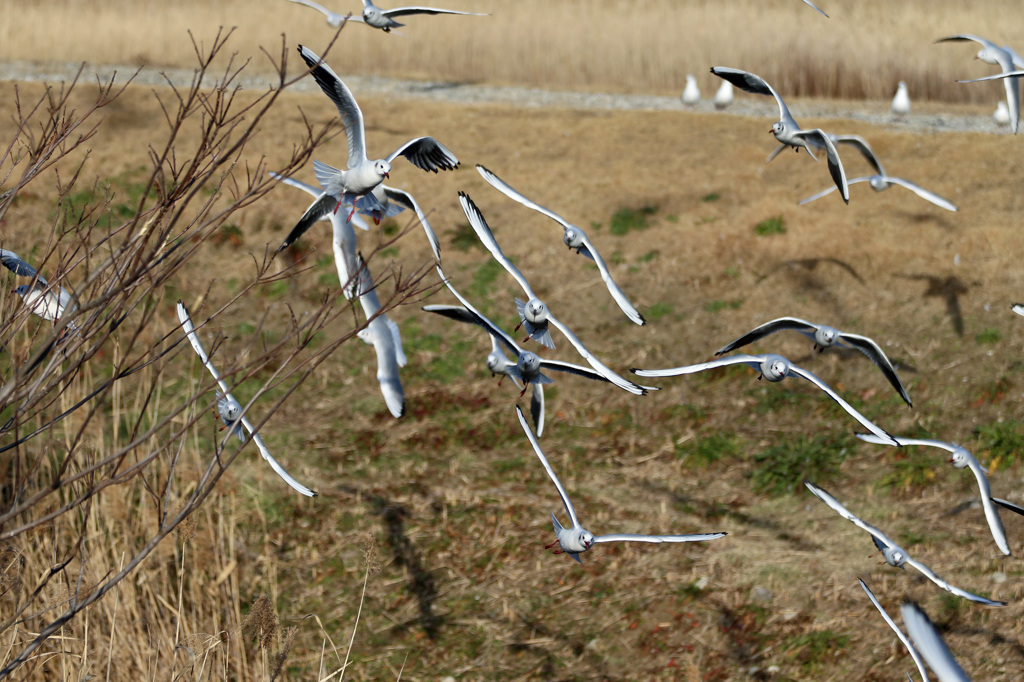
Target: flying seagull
(576, 539)
(773, 368)
(382, 333)
(893, 553)
(534, 313)
(574, 238)
(883, 182)
(38, 296)
(377, 17)
(962, 458)
(357, 183)
(929, 643)
(899, 633)
(991, 53)
(786, 129)
(230, 409)
(824, 337)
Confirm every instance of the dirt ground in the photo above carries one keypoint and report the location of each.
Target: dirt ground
(459, 505)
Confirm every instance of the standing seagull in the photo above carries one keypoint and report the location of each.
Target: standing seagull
(723, 96)
(357, 183)
(534, 313)
(786, 129)
(691, 93)
(230, 409)
(991, 53)
(574, 238)
(577, 539)
(929, 643)
(893, 553)
(773, 368)
(961, 458)
(824, 337)
(901, 101)
(899, 633)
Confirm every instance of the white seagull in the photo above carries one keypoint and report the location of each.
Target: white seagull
(824, 337)
(893, 553)
(1001, 115)
(773, 368)
(786, 129)
(691, 93)
(39, 297)
(929, 643)
(1018, 308)
(363, 175)
(574, 238)
(534, 313)
(883, 182)
(230, 409)
(899, 633)
(577, 539)
(961, 458)
(384, 18)
(723, 96)
(901, 100)
(382, 333)
(991, 53)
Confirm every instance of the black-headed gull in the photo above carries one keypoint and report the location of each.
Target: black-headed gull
(577, 539)
(960, 458)
(534, 313)
(901, 100)
(773, 368)
(384, 18)
(824, 337)
(39, 297)
(893, 553)
(382, 333)
(574, 238)
(691, 93)
(229, 408)
(991, 53)
(899, 633)
(883, 182)
(363, 175)
(786, 129)
(929, 642)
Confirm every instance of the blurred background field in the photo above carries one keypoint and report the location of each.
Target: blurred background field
(445, 513)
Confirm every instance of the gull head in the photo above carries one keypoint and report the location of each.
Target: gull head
(774, 367)
(778, 128)
(21, 290)
(496, 363)
(573, 237)
(581, 540)
(825, 336)
(229, 409)
(382, 168)
(987, 55)
(894, 556)
(529, 364)
(960, 457)
(536, 312)
(878, 183)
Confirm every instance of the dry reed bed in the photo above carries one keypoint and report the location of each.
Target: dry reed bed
(606, 45)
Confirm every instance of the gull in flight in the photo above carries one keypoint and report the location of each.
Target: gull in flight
(929, 643)
(691, 93)
(378, 17)
(1004, 58)
(899, 633)
(363, 175)
(39, 297)
(230, 409)
(786, 129)
(534, 313)
(883, 182)
(824, 337)
(577, 539)
(574, 238)
(382, 333)
(773, 368)
(900, 101)
(893, 553)
(962, 458)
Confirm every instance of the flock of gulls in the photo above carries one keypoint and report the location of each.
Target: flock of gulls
(347, 197)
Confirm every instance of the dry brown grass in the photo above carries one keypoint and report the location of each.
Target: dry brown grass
(605, 45)
(453, 493)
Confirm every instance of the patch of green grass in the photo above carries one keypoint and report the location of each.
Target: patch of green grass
(989, 335)
(783, 468)
(118, 198)
(228, 234)
(390, 252)
(658, 310)
(649, 256)
(672, 218)
(484, 278)
(770, 226)
(716, 306)
(615, 259)
(627, 220)
(463, 238)
(276, 289)
(390, 228)
(706, 449)
(816, 649)
(594, 225)
(909, 469)
(1002, 442)
(713, 196)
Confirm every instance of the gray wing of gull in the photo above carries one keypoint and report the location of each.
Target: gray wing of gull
(589, 249)
(749, 82)
(331, 16)
(478, 317)
(403, 198)
(570, 368)
(427, 154)
(338, 92)
(318, 209)
(357, 220)
(862, 146)
(1009, 75)
(193, 338)
(629, 537)
(837, 506)
(777, 325)
(396, 339)
(865, 422)
(379, 336)
(934, 577)
(740, 359)
(566, 502)
(806, 2)
(483, 232)
(874, 353)
(921, 192)
(835, 165)
(624, 384)
(280, 470)
(930, 644)
(899, 633)
(1018, 308)
(1006, 504)
(537, 407)
(833, 188)
(406, 11)
(15, 264)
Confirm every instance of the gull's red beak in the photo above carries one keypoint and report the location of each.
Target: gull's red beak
(387, 175)
(770, 130)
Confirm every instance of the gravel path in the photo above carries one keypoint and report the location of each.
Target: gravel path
(927, 117)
